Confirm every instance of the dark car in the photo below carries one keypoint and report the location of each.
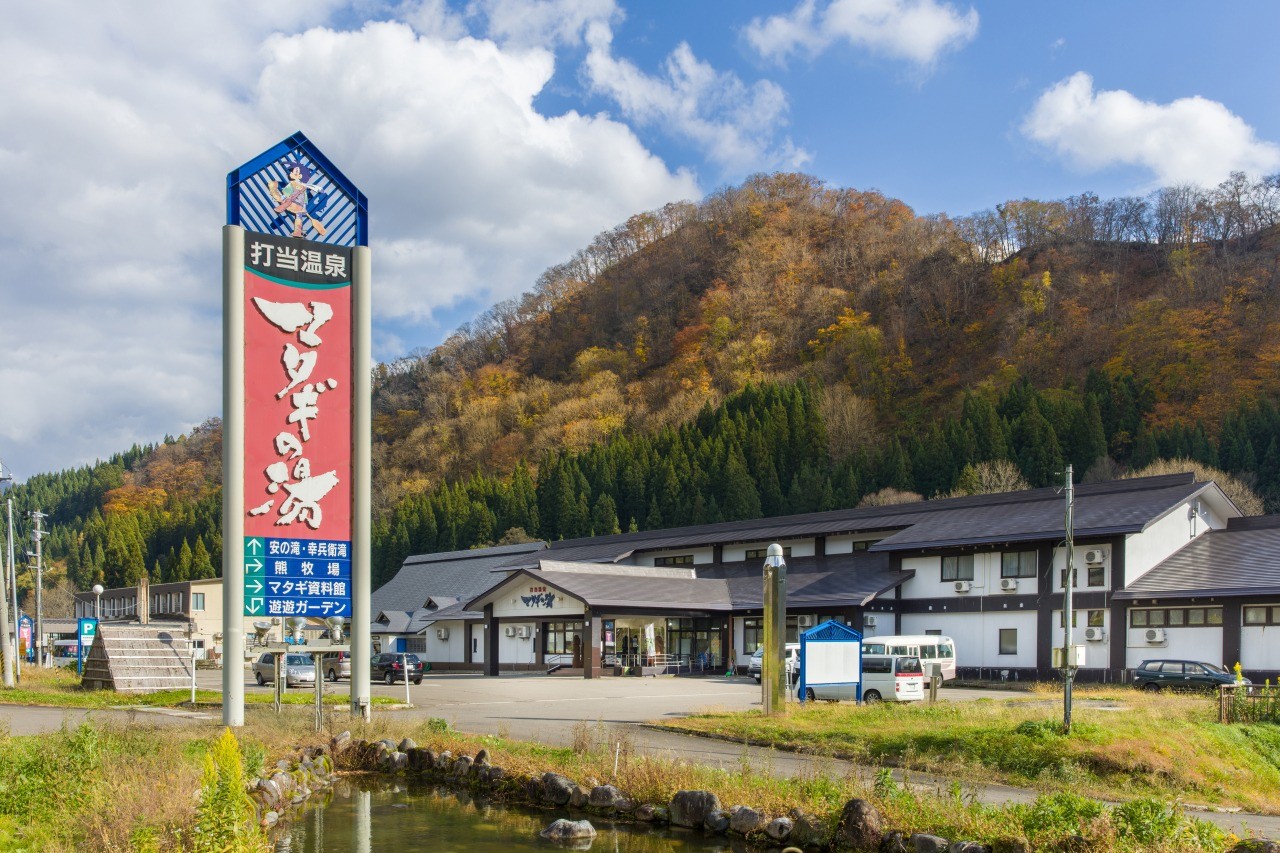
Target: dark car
(1156, 675)
(390, 667)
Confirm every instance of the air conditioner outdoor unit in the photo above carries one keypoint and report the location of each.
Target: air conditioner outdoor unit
(442, 633)
(1155, 635)
(523, 632)
(511, 630)
(804, 621)
(1094, 557)
(963, 586)
(1008, 584)
(869, 621)
(1095, 635)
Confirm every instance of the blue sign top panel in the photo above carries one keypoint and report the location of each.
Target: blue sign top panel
(293, 190)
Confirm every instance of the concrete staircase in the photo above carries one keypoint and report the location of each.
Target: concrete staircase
(133, 658)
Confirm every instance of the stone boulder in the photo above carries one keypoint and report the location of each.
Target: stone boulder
(923, 842)
(690, 808)
(603, 797)
(860, 826)
(967, 847)
(809, 831)
(745, 820)
(717, 822)
(557, 789)
(779, 829)
(569, 830)
(1256, 845)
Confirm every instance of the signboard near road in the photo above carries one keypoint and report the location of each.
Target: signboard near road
(296, 394)
(297, 577)
(86, 630)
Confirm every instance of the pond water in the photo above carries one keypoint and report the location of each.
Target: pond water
(364, 816)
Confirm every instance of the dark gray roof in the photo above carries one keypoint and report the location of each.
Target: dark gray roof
(1101, 509)
(839, 580)
(452, 575)
(1240, 560)
(397, 622)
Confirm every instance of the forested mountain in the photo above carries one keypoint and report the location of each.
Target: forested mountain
(780, 347)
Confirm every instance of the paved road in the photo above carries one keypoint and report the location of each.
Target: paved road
(555, 710)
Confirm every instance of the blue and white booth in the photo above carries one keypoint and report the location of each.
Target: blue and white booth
(830, 661)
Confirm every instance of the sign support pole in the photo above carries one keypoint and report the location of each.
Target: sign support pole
(233, 643)
(361, 488)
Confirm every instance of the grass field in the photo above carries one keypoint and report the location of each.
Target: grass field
(1124, 744)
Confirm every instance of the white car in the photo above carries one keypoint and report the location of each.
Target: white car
(757, 661)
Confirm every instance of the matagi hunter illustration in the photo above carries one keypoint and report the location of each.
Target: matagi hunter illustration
(299, 198)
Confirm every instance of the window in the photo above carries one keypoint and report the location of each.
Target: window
(761, 553)
(1097, 576)
(752, 634)
(933, 632)
(1008, 641)
(957, 568)
(1180, 617)
(1062, 579)
(1261, 615)
(1018, 564)
(876, 664)
(674, 560)
(197, 601)
(558, 637)
(1097, 618)
(863, 544)
(1075, 619)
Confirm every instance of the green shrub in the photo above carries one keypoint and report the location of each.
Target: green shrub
(225, 817)
(1147, 822)
(1055, 816)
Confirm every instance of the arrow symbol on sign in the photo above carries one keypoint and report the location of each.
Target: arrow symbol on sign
(253, 546)
(254, 566)
(255, 606)
(253, 585)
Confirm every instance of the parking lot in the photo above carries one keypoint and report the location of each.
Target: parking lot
(548, 708)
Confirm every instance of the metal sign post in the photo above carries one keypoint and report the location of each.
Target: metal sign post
(773, 666)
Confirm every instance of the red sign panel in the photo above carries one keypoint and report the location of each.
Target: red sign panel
(297, 389)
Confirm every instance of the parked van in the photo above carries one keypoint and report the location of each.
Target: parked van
(885, 678)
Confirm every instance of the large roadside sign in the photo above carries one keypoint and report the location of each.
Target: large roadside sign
(296, 411)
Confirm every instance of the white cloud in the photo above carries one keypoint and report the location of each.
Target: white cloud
(544, 22)
(734, 124)
(114, 140)
(918, 31)
(1189, 140)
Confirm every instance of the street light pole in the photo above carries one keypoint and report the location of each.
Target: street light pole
(97, 602)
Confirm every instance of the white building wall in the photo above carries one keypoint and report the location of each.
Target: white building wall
(1143, 551)
(928, 581)
(1200, 643)
(738, 552)
(1082, 568)
(1097, 653)
(448, 650)
(977, 636)
(1259, 647)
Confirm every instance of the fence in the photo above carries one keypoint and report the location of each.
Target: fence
(1249, 703)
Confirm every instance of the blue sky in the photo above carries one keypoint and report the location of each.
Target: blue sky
(494, 138)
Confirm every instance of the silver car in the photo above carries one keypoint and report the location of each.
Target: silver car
(297, 668)
(336, 665)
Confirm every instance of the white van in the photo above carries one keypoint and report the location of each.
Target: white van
(885, 678)
(792, 654)
(892, 678)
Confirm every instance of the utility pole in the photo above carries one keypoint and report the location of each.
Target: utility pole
(1068, 582)
(13, 592)
(38, 534)
(7, 641)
